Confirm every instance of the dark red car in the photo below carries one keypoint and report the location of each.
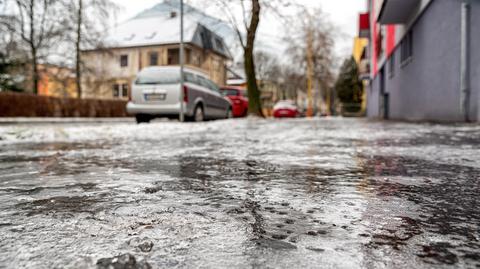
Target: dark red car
(239, 99)
(285, 109)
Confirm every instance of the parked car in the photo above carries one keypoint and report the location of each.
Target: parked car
(238, 97)
(156, 93)
(285, 109)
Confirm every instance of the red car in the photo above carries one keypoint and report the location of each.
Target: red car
(285, 109)
(239, 99)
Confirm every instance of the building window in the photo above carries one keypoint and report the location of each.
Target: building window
(391, 65)
(153, 58)
(116, 90)
(219, 44)
(406, 48)
(380, 44)
(120, 90)
(124, 90)
(173, 56)
(123, 60)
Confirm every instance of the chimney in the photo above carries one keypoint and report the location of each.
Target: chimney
(173, 14)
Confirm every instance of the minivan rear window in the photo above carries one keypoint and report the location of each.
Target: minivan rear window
(148, 77)
(190, 78)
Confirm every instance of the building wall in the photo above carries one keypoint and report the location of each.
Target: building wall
(428, 86)
(57, 82)
(373, 93)
(475, 60)
(103, 71)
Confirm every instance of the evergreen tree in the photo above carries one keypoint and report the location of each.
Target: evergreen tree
(6, 81)
(348, 86)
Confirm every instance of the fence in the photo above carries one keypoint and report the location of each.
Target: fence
(29, 105)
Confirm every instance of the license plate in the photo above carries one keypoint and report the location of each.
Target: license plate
(155, 97)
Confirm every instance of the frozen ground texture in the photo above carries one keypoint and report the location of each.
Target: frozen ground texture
(335, 193)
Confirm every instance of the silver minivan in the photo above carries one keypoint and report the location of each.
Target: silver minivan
(156, 93)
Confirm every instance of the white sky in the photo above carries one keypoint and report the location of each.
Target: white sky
(343, 13)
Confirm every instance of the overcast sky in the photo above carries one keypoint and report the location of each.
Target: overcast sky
(343, 13)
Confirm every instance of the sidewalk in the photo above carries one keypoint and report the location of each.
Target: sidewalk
(26, 120)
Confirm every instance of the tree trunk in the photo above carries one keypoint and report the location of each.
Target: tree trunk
(254, 102)
(35, 75)
(78, 63)
(33, 48)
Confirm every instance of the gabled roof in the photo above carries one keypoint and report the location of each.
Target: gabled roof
(165, 8)
(159, 28)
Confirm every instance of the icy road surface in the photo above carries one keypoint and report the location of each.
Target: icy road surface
(338, 193)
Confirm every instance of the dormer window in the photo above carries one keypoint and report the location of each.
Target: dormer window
(151, 36)
(129, 38)
(219, 44)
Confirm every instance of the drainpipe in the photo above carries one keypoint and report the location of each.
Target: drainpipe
(182, 64)
(465, 61)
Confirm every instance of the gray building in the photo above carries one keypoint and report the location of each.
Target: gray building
(425, 58)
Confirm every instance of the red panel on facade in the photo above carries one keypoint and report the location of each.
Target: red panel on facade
(364, 25)
(364, 22)
(390, 39)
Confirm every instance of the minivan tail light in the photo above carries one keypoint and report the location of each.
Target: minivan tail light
(185, 94)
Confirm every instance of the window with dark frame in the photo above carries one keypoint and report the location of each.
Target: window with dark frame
(173, 56)
(123, 60)
(116, 90)
(219, 44)
(153, 58)
(406, 48)
(124, 90)
(391, 65)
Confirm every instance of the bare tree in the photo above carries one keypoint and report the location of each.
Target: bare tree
(39, 28)
(311, 45)
(87, 31)
(267, 66)
(246, 26)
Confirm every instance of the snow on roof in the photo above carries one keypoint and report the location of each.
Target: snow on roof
(161, 30)
(149, 31)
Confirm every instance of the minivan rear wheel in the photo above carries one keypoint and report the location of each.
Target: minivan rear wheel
(142, 119)
(198, 114)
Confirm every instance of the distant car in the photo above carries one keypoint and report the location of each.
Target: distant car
(156, 93)
(239, 99)
(285, 109)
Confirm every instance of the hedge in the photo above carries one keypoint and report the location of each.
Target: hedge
(30, 105)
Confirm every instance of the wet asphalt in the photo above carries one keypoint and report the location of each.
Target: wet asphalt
(323, 193)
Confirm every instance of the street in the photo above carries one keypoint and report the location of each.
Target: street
(244, 193)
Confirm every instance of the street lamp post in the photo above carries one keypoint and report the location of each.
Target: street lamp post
(182, 62)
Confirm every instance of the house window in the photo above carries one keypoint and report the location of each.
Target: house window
(124, 90)
(123, 60)
(219, 44)
(153, 58)
(173, 56)
(406, 48)
(116, 90)
(188, 56)
(120, 90)
(391, 65)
